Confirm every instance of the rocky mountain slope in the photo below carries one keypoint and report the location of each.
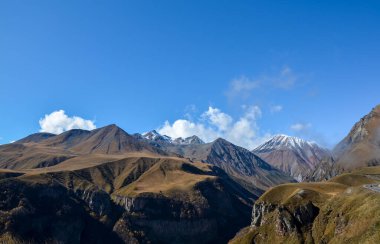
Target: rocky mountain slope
(360, 148)
(248, 169)
(292, 155)
(342, 210)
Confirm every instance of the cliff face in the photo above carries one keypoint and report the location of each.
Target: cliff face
(209, 214)
(48, 212)
(137, 200)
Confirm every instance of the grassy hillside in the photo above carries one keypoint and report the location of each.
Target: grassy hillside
(136, 199)
(343, 210)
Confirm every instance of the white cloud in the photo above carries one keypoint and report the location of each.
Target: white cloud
(276, 108)
(185, 128)
(214, 123)
(242, 86)
(216, 117)
(283, 79)
(299, 127)
(58, 122)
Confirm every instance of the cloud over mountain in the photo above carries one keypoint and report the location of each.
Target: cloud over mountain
(213, 123)
(58, 122)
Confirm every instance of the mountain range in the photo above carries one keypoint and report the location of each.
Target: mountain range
(343, 207)
(106, 185)
(139, 187)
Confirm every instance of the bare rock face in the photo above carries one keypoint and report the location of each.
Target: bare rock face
(259, 211)
(287, 219)
(361, 147)
(97, 200)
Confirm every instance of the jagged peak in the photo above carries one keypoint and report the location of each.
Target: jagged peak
(153, 135)
(188, 140)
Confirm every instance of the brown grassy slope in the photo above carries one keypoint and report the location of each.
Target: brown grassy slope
(40, 150)
(106, 140)
(347, 212)
(31, 155)
(242, 165)
(197, 202)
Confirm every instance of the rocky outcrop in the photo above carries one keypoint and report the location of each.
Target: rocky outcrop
(259, 211)
(97, 200)
(287, 219)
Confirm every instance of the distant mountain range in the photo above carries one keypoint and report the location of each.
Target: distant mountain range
(157, 137)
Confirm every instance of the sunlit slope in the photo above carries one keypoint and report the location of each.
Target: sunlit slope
(345, 209)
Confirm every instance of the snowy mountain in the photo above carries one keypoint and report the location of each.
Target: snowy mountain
(188, 140)
(292, 155)
(157, 137)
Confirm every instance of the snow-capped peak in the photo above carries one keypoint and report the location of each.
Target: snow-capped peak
(188, 140)
(285, 142)
(292, 155)
(155, 136)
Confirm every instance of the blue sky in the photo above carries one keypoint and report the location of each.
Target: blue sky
(305, 68)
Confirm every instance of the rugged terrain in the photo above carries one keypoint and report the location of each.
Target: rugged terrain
(243, 166)
(345, 209)
(135, 199)
(292, 155)
(107, 185)
(360, 148)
